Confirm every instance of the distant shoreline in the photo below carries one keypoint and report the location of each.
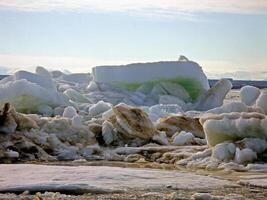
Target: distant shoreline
(237, 84)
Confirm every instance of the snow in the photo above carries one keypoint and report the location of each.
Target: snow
(249, 94)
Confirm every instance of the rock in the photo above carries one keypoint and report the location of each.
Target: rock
(234, 126)
(7, 122)
(249, 94)
(69, 112)
(161, 138)
(99, 108)
(133, 122)
(133, 158)
(214, 96)
(262, 101)
(183, 138)
(177, 123)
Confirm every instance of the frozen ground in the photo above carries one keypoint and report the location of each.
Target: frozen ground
(102, 182)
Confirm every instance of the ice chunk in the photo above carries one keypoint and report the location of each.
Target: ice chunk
(262, 101)
(229, 107)
(69, 112)
(108, 133)
(161, 138)
(177, 123)
(249, 94)
(183, 138)
(160, 111)
(214, 96)
(133, 123)
(175, 90)
(92, 87)
(168, 99)
(245, 155)
(234, 126)
(224, 151)
(186, 73)
(75, 96)
(99, 108)
(76, 121)
(11, 154)
(45, 110)
(256, 144)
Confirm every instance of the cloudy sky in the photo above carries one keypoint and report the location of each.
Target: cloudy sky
(224, 36)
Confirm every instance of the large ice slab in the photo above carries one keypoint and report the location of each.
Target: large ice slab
(186, 73)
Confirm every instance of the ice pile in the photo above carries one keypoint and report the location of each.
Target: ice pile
(166, 114)
(31, 92)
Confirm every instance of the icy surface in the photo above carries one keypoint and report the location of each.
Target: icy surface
(86, 179)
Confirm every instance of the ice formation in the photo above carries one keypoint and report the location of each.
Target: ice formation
(262, 101)
(249, 94)
(28, 92)
(183, 138)
(214, 96)
(166, 114)
(186, 73)
(234, 126)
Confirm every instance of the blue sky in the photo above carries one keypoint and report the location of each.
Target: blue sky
(77, 35)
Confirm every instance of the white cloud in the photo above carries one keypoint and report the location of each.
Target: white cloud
(151, 7)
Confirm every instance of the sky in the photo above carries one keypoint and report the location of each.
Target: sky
(226, 37)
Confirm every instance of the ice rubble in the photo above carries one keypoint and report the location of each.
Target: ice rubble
(28, 92)
(90, 114)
